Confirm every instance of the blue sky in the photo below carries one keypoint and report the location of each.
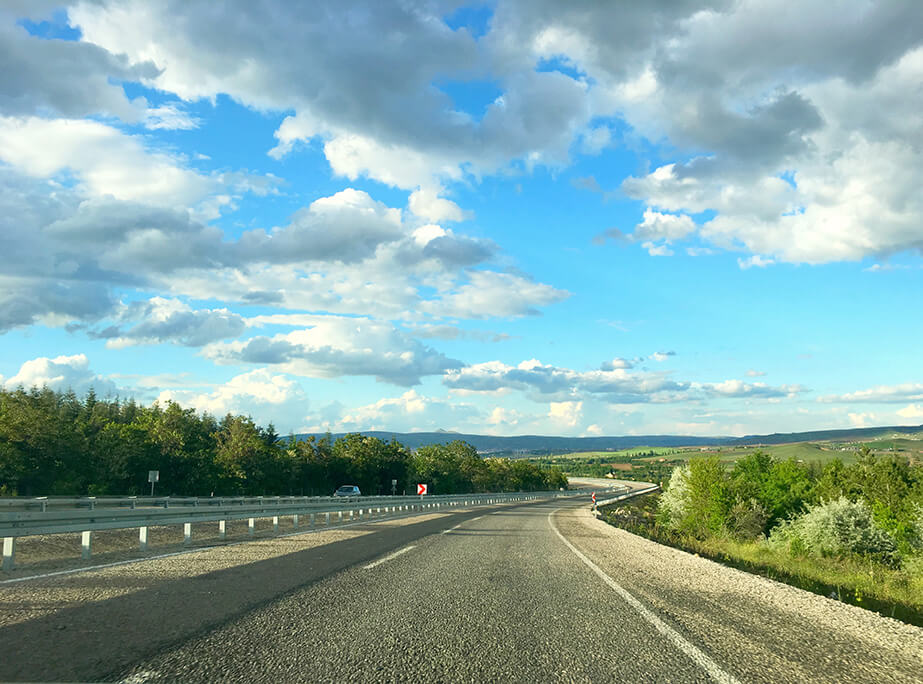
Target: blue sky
(507, 218)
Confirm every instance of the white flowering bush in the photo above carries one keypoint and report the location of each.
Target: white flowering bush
(674, 502)
(834, 528)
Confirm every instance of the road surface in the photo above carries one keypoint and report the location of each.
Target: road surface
(540, 592)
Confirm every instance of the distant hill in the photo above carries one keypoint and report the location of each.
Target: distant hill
(539, 443)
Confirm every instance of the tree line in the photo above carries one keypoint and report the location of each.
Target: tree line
(55, 443)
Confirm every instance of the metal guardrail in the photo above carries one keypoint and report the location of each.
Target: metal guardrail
(627, 494)
(57, 516)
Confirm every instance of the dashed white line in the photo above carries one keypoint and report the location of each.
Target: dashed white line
(389, 557)
(697, 656)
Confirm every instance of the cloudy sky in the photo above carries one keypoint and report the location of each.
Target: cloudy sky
(510, 217)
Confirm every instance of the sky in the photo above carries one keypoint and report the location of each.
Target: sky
(524, 217)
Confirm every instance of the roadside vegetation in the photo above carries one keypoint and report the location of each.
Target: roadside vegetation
(54, 443)
(656, 464)
(849, 531)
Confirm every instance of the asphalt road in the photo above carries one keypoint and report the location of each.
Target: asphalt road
(540, 592)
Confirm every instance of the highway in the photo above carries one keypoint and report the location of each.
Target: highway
(537, 592)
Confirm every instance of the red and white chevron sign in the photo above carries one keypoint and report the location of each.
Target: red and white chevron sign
(421, 489)
(594, 497)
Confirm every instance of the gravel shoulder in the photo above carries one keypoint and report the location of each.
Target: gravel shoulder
(761, 630)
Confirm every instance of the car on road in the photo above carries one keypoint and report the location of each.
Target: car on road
(347, 490)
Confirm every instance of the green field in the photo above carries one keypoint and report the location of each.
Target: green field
(656, 463)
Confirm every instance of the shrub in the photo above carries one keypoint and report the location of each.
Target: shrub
(674, 500)
(835, 528)
(747, 519)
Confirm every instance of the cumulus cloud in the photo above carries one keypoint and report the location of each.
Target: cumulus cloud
(61, 373)
(267, 397)
(336, 346)
(911, 412)
(170, 320)
(426, 203)
(67, 78)
(107, 162)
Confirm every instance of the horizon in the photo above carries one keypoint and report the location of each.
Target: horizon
(488, 218)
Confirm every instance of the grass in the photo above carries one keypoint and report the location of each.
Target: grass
(860, 582)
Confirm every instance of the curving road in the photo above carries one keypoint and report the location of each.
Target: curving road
(540, 592)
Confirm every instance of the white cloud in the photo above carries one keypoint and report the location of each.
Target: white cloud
(566, 413)
(170, 116)
(265, 396)
(107, 162)
(755, 373)
(615, 385)
(170, 320)
(426, 203)
(61, 373)
(338, 346)
(911, 411)
(907, 391)
(755, 260)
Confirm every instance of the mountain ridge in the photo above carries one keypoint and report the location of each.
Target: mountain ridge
(532, 443)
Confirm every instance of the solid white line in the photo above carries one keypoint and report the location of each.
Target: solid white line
(389, 557)
(697, 656)
(91, 568)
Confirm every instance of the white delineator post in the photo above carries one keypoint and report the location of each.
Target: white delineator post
(187, 534)
(222, 529)
(9, 553)
(250, 525)
(86, 544)
(142, 538)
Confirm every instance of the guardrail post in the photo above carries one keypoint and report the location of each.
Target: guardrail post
(313, 520)
(339, 516)
(327, 519)
(275, 523)
(9, 553)
(142, 538)
(295, 521)
(350, 514)
(187, 534)
(250, 524)
(86, 544)
(222, 529)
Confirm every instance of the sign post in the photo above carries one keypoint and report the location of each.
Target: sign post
(393, 486)
(594, 500)
(152, 477)
(422, 489)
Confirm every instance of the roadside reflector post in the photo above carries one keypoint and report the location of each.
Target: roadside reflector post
(187, 534)
(250, 526)
(327, 519)
(86, 544)
(351, 514)
(222, 529)
(9, 553)
(339, 516)
(275, 523)
(142, 538)
(295, 521)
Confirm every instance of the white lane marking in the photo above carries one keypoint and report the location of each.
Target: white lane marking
(91, 568)
(697, 656)
(389, 557)
(452, 529)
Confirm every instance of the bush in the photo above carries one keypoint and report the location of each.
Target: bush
(835, 528)
(747, 519)
(674, 500)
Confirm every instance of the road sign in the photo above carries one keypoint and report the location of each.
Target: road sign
(422, 489)
(594, 497)
(153, 476)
